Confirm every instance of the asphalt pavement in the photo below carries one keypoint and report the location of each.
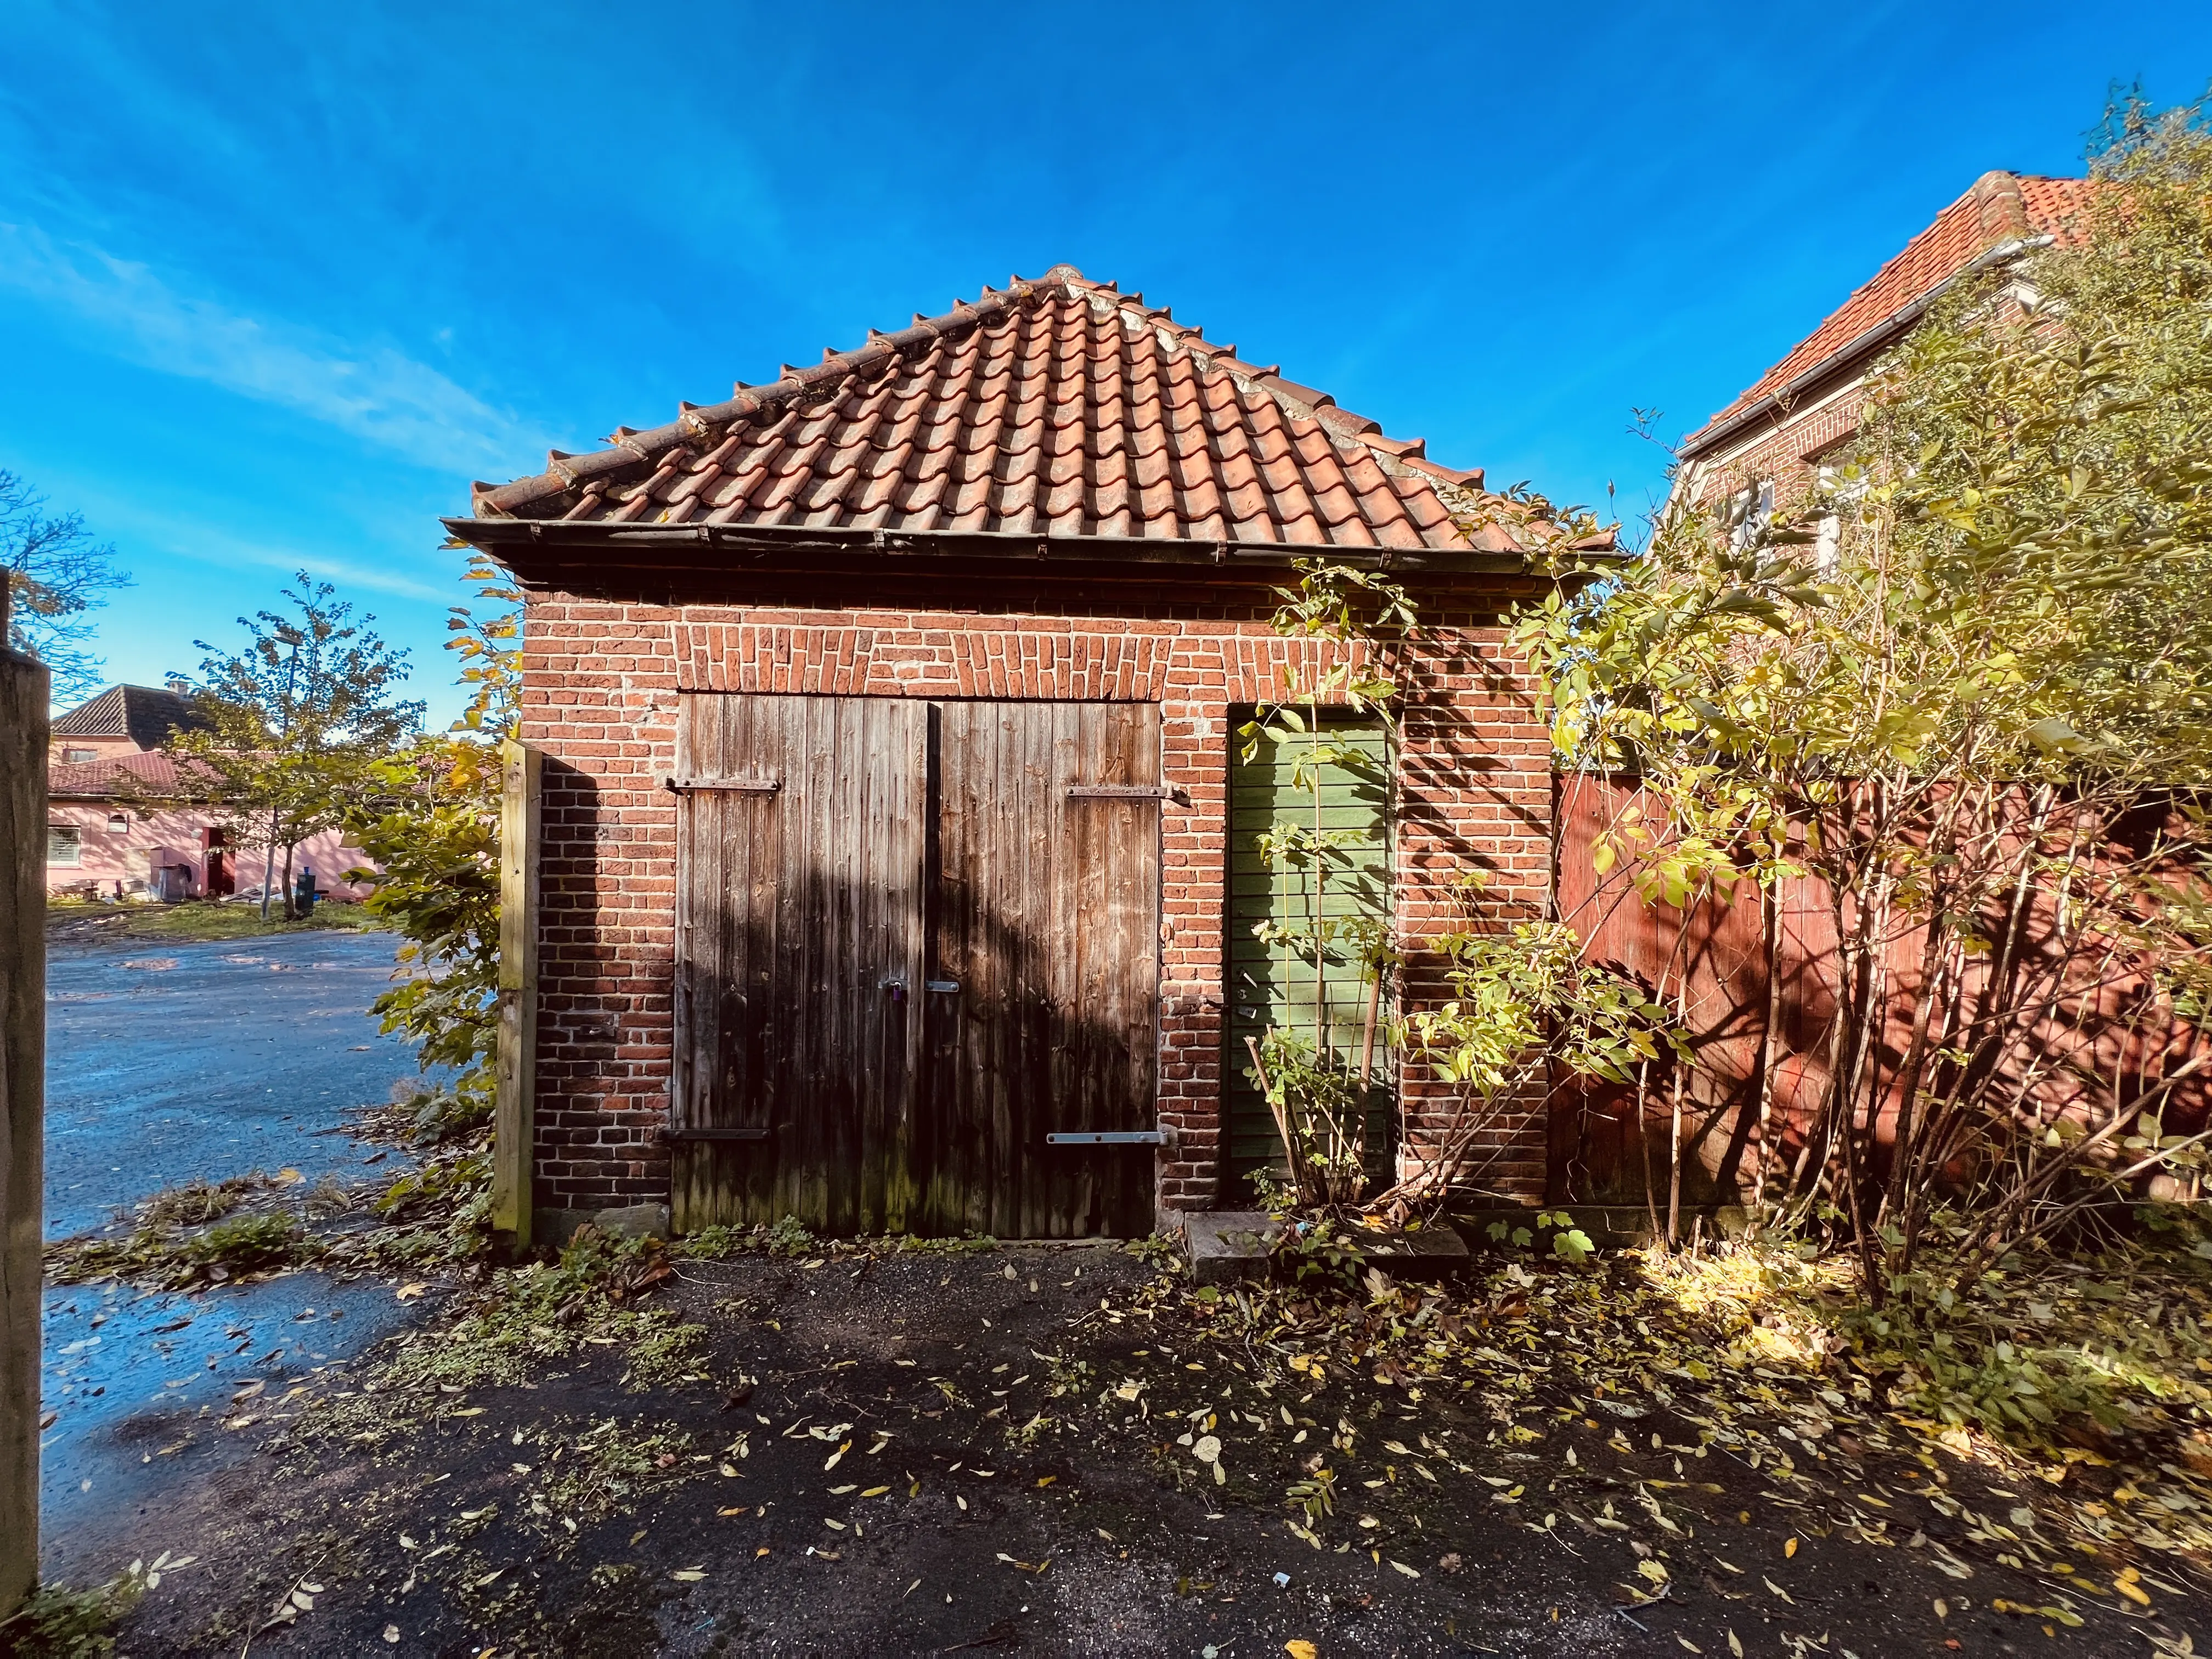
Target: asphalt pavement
(166, 1061)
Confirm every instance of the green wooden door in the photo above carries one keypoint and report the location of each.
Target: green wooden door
(1272, 983)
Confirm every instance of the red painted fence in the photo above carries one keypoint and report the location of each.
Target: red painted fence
(1601, 1145)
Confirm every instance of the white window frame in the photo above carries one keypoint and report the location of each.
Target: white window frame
(1752, 511)
(65, 845)
(1828, 549)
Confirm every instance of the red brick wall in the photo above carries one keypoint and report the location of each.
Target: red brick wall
(601, 684)
(1789, 454)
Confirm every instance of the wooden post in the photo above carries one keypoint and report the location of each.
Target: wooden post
(23, 694)
(517, 990)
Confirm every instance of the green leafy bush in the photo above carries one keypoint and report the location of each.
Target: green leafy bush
(244, 1242)
(789, 1236)
(60, 1623)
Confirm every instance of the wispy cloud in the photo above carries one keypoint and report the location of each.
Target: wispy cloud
(228, 552)
(375, 392)
(167, 531)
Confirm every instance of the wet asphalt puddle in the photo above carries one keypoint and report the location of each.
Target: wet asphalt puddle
(167, 1062)
(146, 1392)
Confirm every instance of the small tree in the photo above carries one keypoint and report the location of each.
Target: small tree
(430, 819)
(57, 574)
(1967, 688)
(293, 724)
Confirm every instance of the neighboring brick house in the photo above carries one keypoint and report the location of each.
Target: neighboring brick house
(887, 716)
(1769, 441)
(124, 819)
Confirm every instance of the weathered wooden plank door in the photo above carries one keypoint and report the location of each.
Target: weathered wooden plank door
(1045, 915)
(1271, 979)
(800, 844)
(914, 940)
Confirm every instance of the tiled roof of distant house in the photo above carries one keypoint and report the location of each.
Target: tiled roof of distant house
(2001, 207)
(155, 775)
(147, 714)
(1056, 408)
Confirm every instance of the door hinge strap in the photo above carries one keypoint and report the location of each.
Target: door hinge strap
(716, 1135)
(1110, 1138)
(1120, 792)
(734, 786)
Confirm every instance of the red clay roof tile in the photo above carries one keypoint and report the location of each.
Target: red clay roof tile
(1999, 208)
(154, 774)
(1058, 404)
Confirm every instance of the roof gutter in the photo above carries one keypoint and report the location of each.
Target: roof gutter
(1882, 333)
(533, 539)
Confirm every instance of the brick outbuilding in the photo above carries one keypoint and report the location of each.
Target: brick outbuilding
(889, 783)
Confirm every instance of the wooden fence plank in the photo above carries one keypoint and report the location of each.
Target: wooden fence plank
(23, 699)
(1599, 1141)
(515, 1063)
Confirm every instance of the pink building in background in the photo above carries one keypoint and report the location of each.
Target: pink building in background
(121, 822)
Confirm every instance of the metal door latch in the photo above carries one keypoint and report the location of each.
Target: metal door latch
(948, 984)
(1125, 792)
(751, 786)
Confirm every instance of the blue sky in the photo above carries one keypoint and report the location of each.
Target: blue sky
(277, 280)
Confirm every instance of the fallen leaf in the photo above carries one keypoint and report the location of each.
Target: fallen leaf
(1298, 1647)
(409, 1292)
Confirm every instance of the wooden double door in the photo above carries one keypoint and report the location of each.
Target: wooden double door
(916, 940)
